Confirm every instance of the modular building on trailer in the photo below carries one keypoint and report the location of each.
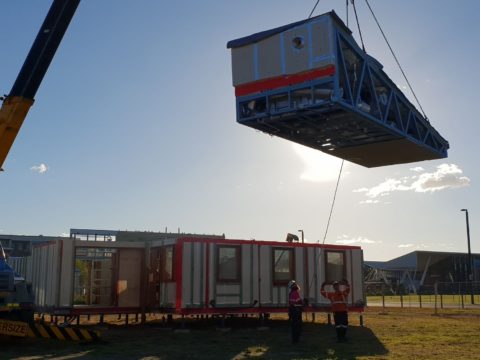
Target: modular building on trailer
(187, 275)
(192, 275)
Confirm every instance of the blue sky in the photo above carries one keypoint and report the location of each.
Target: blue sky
(134, 128)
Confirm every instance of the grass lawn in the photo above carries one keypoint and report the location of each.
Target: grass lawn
(397, 334)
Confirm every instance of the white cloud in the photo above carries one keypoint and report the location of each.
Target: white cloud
(446, 176)
(386, 188)
(418, 246)
(369, 201)
(41, 169)
(364, 189)
(448, 246)
(422, 246)
(318, 167)
(347, 240)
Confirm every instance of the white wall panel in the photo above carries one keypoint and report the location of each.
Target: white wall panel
(186, 274)
(266, 296)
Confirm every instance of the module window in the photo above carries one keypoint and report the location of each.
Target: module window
(283, 266)
(335, 265)
(228, 264)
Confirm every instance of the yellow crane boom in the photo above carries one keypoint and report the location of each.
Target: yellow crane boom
(15, 106)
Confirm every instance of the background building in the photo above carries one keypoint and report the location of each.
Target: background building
(21, 245)
(419, 269)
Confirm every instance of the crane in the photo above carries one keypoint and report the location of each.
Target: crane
(17, 103)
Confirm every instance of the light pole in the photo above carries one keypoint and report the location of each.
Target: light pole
(470, 273)
(303, 236)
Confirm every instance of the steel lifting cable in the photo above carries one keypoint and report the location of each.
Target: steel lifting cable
(346, 10)
(328, 223)
(358, 25)
(333, 204)
(311, 12)
(398, 63)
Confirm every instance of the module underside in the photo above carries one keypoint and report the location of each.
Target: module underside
(341, 133)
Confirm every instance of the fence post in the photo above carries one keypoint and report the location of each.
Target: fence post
(436, 292)
(383, 297)
(401, 300)
(461, 296)
(420, 299)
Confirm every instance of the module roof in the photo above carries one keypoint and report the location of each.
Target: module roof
(246, 40)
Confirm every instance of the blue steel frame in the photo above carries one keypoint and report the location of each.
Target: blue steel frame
(332, 113)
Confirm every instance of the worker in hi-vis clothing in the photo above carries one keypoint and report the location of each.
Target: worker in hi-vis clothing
(295, 308)
(339, 306)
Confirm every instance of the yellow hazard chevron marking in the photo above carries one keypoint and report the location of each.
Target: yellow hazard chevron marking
(47, 331)
(50, 331)
(86, 334)
(41, 330)
(72, 334)
(30, 332)
(57, 332)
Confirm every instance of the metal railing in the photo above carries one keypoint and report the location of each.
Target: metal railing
(459, 295)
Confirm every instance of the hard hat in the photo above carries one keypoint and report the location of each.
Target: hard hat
(293, 285)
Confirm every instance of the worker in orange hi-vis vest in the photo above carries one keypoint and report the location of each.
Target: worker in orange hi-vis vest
(339, 306)
(295, 308)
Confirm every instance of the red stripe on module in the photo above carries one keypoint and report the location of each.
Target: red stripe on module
(281, 81)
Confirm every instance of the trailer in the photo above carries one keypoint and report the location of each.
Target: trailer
(187, 276)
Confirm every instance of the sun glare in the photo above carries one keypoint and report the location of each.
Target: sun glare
(318, 167)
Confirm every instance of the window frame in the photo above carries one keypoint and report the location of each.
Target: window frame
(344, 266)
(282, 282)
(238, 257)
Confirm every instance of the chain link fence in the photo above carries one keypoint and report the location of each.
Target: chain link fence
(460, 295)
